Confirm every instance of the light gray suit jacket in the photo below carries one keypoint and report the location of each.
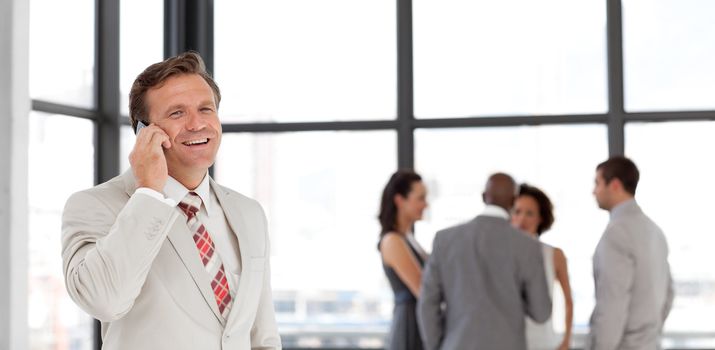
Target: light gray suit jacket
(130, 261)
(481, 280)
(634, 288)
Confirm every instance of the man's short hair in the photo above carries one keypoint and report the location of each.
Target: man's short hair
(155, 75)
(623, 169)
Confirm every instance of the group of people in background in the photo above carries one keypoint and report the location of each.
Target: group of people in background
(488, 283)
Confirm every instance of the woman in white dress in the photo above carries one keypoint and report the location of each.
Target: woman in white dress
(533, 213)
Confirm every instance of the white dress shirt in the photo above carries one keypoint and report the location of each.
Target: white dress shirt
(496, 211)
(213, 218)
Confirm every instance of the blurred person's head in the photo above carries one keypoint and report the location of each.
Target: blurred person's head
(500, 190)
(616, 182)
(533, 211)
(404, 199)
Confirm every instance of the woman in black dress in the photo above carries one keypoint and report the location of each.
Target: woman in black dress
(403, 201)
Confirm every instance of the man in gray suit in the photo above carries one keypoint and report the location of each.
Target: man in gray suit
(482, 278)
(634, 290)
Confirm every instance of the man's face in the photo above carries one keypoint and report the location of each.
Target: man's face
(602, 192)
(185, 108)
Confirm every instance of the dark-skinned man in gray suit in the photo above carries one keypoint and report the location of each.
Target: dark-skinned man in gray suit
(482, 279)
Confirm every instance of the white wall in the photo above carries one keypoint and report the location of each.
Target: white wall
(14, 112)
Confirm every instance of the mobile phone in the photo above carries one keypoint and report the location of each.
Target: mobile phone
(140, 125)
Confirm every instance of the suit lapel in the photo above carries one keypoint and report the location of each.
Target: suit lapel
(182, 242)
(232, 211)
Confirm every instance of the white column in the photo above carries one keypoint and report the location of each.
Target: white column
(14, 112)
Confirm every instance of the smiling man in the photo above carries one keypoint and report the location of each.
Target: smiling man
(162, 255)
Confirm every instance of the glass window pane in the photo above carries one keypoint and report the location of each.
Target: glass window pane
(514, 57)
(675, 191)
(56, 142)
(62, 52)
(126, 145)
(561, 160)
(141, 41)
(668, 54)
(321, 192)
(316, 60)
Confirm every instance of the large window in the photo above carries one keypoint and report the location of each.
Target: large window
(56, 142)
(58, 74)
(514, 57)
(71, 90)
(317, 60)
(66, 81)
(668, 54)
(675, 192)
(516, 86)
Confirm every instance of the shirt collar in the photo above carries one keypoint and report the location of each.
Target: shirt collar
(176, 191)
(496, 211)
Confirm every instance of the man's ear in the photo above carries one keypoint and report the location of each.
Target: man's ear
(615, 185)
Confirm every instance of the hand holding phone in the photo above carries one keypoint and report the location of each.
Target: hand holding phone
(147, 158)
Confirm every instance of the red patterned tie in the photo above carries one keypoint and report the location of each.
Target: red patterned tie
(212, 262)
